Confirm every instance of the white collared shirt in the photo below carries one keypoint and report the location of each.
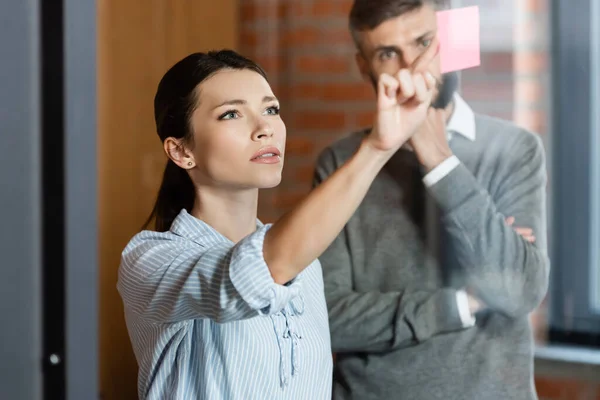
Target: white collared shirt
(461, 122)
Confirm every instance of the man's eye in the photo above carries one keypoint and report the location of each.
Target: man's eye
(387, 55)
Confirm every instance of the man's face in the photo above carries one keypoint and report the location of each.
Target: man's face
(396, 44)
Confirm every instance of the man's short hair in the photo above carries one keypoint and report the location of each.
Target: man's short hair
(366, 15)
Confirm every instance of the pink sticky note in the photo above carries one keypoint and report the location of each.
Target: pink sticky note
(458, 32)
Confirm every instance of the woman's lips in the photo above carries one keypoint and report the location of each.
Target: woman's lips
(267, 155)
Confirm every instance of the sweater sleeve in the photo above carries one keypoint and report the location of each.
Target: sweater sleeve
(508, 273)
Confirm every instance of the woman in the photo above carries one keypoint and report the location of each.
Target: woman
(218, 305)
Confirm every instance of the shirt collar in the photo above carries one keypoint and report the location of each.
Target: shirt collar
(190, 227)
(462, 120)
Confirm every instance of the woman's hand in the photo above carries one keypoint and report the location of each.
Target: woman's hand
(402, 103)
(304, 233)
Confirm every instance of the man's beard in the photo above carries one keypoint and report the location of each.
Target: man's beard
(446, 90)
(446, 87)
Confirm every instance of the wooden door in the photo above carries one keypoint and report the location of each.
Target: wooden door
(137, 42)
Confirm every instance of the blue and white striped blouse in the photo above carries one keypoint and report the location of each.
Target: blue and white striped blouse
(207, 321)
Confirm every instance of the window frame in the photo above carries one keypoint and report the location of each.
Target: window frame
(574, 315)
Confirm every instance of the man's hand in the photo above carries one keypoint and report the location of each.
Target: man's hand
(527, 233)
(474, 304)
(430, 142)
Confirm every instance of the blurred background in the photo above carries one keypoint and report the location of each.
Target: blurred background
(80, 162)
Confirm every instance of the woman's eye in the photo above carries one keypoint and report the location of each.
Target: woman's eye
(426, 42)
(229, 115)
(273, 110)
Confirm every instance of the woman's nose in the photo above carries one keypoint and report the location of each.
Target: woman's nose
(263, 131)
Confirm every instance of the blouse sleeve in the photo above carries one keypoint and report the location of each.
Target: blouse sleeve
(165, 278)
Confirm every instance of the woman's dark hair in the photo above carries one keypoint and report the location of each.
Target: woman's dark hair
(175, 101)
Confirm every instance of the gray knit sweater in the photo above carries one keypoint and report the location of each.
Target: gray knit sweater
(391, 294)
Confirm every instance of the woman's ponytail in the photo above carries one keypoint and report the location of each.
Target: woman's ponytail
(176, 193)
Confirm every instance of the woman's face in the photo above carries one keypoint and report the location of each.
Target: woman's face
(239, 137)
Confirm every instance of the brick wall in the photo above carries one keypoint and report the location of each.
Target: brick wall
(531, 89)
(305, 47)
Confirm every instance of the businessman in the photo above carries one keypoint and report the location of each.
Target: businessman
(429, 286)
